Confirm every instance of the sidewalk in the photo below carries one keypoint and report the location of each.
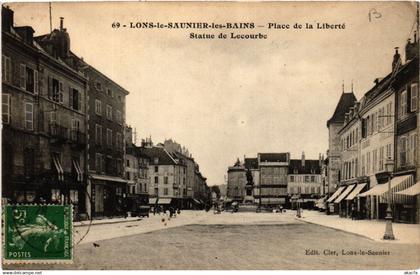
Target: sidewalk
(372, 229)
(105, 221)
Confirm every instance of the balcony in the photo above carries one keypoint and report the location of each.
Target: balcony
(58, 133)
(77, 138)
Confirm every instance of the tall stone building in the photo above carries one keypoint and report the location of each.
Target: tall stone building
(44, 118)
(236, 182)
(334, 124)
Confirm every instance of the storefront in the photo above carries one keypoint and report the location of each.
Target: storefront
(331, 208)
(403, 205)
(108, 196)
(341, 203)
(356, 203)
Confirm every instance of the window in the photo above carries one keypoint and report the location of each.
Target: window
(165, 180)
(127, 175)
(388, 151)
(414, 97)
(28, 79)
(109, 92)
(402, 149)
(375, 161)
(6, 69)
(307, 178)
(109, 137)
(312, 190)
(411, 149)
(5, 107)
(98, 86)
(98, 134)
(363, 165)
(98, 107)
(402, 111)
(165, 191)
(128, 163)
(109, 112)
(118, 141)
(368, 163)
(55, 195)
(74, 196)
(156, 169)
(312, 178)
(29, 116)
(119, 117)
(55, 90)
(156, 191)
(99, 163)
(75, 99)
(75, 129)
(381, 158)
(389, 113)
(292, 178)
(156, 179)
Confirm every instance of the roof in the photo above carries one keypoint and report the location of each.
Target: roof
(346, 101)
(273, 157)
(251, 163)
(157, 152)
(307, 169)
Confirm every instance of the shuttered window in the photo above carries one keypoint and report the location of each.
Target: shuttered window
(29, 116)
(5, 107)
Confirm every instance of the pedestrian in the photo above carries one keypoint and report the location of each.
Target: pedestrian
(353, 211)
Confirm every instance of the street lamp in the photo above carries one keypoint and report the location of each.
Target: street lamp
(389, 235)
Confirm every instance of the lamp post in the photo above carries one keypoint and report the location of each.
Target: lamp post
(389, 235)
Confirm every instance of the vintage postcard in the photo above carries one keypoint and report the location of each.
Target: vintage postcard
(210, 136)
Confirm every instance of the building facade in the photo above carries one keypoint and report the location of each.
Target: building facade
(334, 124)
(43, 113)
(236, 182)
(273, 178)
(304, 180)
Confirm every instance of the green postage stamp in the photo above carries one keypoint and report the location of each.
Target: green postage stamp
(38, 233)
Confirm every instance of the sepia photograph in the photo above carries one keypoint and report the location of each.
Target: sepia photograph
(210, 136)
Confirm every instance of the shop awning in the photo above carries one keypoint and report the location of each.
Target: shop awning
(411, 191)
(78, 170)
(336, 193)
(107, 178)
(380, 189)
(197, 201)
(164, 201)
(356, 191)
(152, 200)
(345, 193)
(57, 165)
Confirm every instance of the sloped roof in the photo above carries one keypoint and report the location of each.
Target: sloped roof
(307, 169)
(273, 157)
(251, 163)
(157, 152)
(346, 101)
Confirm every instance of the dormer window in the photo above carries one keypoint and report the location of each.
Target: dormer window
(98, 86)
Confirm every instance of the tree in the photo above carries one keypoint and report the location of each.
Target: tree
(215, 189)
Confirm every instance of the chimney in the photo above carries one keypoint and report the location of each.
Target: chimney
(303, 159)
(396, 62)
(61, 23)
(6, 18)
(320, 160)
(411, 48)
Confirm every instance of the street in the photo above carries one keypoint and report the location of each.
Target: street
(202, 240)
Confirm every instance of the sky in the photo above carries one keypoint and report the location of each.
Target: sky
(223, 99)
